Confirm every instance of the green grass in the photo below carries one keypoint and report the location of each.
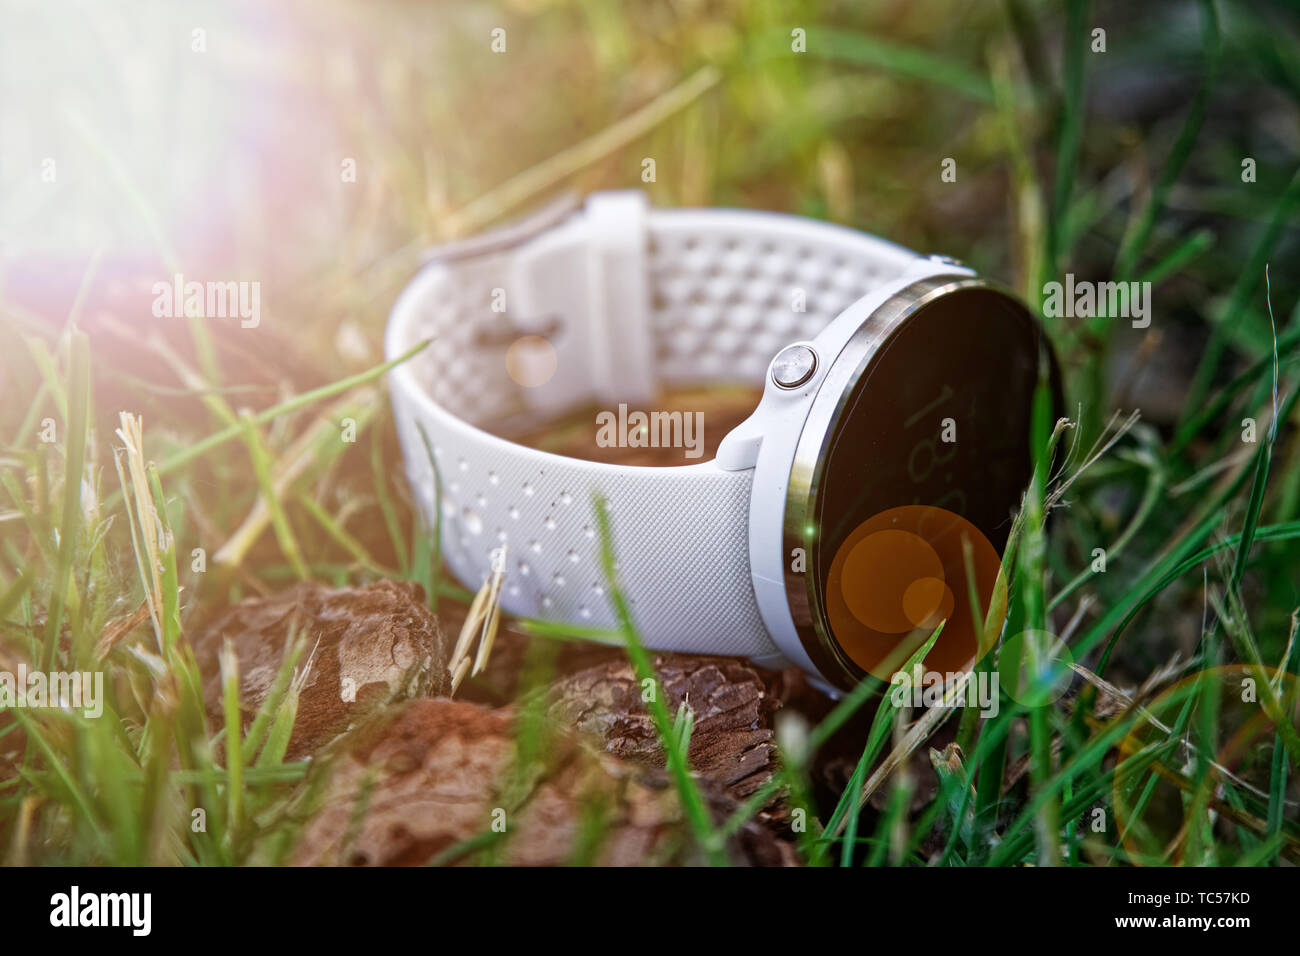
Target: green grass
(1201, 530)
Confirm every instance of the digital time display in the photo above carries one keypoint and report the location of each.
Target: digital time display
(931, 448)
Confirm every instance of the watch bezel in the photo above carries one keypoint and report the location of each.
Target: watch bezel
(806, 476)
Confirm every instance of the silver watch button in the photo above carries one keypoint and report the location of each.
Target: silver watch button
(793, 366)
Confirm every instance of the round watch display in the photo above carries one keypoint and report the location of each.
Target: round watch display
(913, 478)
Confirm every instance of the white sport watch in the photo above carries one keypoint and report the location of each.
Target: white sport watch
(897, 388)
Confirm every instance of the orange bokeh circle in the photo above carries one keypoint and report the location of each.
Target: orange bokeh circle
(902, 572)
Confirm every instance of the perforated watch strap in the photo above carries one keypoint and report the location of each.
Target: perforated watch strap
(724, 292)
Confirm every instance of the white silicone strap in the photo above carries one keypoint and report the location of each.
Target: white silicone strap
(631, 299)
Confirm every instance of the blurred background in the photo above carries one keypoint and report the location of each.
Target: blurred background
(320, 148)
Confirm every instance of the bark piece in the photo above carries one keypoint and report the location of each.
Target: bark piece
(372, 645)
(732, 738)
(429, 774)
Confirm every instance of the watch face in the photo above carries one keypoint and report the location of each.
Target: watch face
(920, 472)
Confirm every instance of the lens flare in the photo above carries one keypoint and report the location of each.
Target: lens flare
(901, 573)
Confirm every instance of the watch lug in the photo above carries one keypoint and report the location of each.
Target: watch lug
(924, 266)
(739, 449)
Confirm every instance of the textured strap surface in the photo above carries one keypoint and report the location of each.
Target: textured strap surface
(725, 290)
